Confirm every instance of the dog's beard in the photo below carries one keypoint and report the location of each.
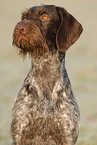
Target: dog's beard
(23, 43)
(32, 43)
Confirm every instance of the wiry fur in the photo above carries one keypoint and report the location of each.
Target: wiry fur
(45, 111)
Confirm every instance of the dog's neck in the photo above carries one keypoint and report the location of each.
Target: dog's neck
(47, 70)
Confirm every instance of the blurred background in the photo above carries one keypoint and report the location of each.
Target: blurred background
(81, 63)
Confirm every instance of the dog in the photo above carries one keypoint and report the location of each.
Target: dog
(45, 111)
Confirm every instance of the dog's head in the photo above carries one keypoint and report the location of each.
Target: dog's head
(46, 28)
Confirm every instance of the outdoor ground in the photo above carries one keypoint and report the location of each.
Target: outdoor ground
(81, 61)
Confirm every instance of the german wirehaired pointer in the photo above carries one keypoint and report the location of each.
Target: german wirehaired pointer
(45, 111)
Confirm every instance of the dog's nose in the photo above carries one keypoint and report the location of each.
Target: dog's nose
(22, 28)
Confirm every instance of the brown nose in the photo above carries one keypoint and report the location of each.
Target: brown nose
(22, 28)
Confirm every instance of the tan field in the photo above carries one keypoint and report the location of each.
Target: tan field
(81, 61)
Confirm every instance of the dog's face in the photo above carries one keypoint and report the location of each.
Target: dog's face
(45, 28)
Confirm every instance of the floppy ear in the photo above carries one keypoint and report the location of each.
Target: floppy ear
(68, 31)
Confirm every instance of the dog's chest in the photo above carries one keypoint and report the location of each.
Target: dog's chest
(42, 99)
(46, 100)
(45, 92)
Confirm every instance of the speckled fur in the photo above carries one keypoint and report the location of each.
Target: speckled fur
(45, 111)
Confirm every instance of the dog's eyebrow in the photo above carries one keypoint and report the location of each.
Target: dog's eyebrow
(41, 12)
(23, 15)
(26, 14)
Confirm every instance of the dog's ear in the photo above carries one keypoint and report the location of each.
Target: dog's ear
(68, 31)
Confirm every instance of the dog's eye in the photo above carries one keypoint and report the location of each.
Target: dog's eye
(25, 18)
(44, 17)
